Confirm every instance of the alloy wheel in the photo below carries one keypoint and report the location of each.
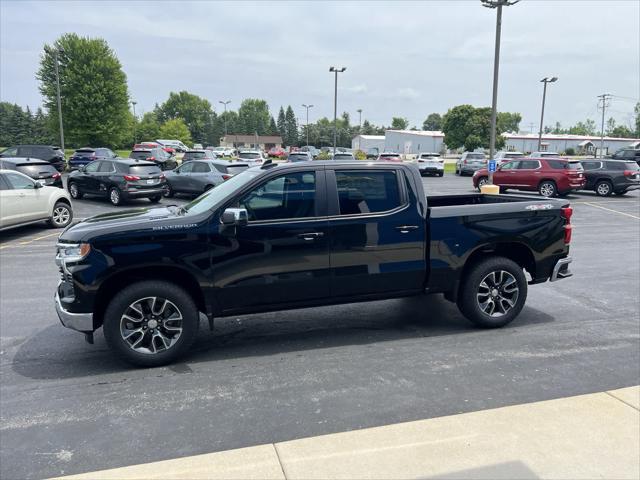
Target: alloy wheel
(603, 189)
(151, 325)
(61, 215)
(547, 190)
(497, 293)
(114, 196)
(73, 190)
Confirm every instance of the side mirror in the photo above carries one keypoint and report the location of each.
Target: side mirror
(37, 185)
(82, 168)
(235, 216)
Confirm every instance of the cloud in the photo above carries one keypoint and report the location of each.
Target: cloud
(361, 88)
(407, 93)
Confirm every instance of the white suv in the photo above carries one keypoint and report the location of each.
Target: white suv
(26, 201)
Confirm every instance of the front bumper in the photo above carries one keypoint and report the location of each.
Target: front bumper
(561, 269)
(82, 322)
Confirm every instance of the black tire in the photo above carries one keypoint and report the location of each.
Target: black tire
(441, 174)
(548, 189)
(115, 196)
(457, 171)
(482, 181)
(168, 191)
(603, 188)
(61, 215)
(155, 199)
(120, 304)
(470, 291)
(74, 191)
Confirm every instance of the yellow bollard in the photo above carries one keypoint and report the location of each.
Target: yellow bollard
(490, 189)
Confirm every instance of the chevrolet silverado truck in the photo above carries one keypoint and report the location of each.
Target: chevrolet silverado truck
(283, 236)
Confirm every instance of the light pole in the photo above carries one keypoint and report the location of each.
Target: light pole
(359, 119)
(335, 107)
(498, 4)
(545, 80)
(225, 114)
(56, 52)
(135, 121)
(307, 107)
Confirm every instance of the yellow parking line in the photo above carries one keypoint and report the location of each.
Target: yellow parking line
(27, 242)
(611, 210)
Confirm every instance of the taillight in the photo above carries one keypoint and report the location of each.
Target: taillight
(566, 213)
(56, 176)
(162, 177)
(226, 177)
(131, 178)
(151, 158)
(630, 173)
(465, 161)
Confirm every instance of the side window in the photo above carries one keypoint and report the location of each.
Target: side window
(509, 165)
(105, 167)
(220, 168)
(10, 152)
(288, 196)
(616, 166)
(3, 184)
(590, 165)
(92, 167)
(529, 164)
(186, 167)
(367, 192)
(200, 167)
(18, 181)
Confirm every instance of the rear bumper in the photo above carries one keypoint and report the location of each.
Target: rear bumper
(143, 193)
(561, 269)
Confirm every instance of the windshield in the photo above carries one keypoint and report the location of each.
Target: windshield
(216, 195)
(249, 155)
(476, 156)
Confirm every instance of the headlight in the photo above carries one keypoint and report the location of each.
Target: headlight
(71, 252)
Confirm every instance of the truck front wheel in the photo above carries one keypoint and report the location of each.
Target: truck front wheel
(150, 323)
(493, 292)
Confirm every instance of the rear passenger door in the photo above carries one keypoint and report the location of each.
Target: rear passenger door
(376, 233)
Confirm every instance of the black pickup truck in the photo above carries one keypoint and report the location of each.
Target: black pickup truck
(284, 236)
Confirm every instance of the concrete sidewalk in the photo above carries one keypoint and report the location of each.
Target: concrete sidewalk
(583, 437)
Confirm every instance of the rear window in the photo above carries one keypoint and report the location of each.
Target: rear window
(249, 156)
(140, 155)
(477, 156)
(33, 170)
(367, 192)
(343, 156)
(84, 153)
(144, 170)
(194, 155)
(574, 166)
(513, 155)
(296, 157)
(236, 169)
(620, 166)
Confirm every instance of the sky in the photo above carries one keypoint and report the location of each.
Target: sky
(404, 59)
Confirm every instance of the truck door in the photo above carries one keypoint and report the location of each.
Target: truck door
(377, 236)
(282, 255)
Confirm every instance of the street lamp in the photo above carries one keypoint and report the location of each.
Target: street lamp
(135, 121)
(56, 52)
(359, 119)
(335, 107)
(498, 4)
(307, 107)
(225, 114)
(545, 80)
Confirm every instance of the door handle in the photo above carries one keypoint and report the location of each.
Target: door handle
(406, 228)
(310, 235)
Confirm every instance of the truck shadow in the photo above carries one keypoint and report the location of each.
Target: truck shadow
(57, 353)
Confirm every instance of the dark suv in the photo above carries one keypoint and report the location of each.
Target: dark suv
(156, 155)
(118, 179)
(50, 154)
(41, 171)
(627, 154)
(83, 156)
(611, 176)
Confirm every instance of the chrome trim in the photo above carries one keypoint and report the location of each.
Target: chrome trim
(556, 274)
(81, 322)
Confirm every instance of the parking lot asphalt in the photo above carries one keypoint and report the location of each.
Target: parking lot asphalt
(68, 407)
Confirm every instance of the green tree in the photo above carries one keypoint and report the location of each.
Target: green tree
(95, 98)
(194, 110)
(433, 122)
(148, 128)
(254, 116)
(273, 128)
(291, 127)
(636, 111)
(621, 131)
(399, 123)
(472, 142)
(176, 129)
(610, 125)
(282, 124)
(508, 122)
(464, 121)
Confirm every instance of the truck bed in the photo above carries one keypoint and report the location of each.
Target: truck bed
(476, 199)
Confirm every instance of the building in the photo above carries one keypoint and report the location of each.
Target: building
(262, 142)
(368, 143)
(411, 142)
(581, 144)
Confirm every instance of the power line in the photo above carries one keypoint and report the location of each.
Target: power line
(604, 99)
(631, 99)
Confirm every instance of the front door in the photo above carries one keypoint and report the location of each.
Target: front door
(506, 175)
(282, 255)
(23, 202)
(377, 235)
(89, 179)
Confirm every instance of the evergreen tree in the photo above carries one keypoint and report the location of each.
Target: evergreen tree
(282, 127)
(273, 128)
(291, 127)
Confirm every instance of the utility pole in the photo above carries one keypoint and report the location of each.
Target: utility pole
(225, 114)
(135, 121)
(604, 98)
(531, 127)
(545, 80)
(335, 107)
(307, 107)
(497, 4)
(359, 119)
(56, 52)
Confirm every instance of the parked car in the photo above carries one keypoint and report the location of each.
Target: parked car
(177, 145)
(277, 152)
(48, 153)
(26, 201)
(36, 169)
(155, 155)
(119, 180)
(251, 157)
(372, 153)
(503, 156)
(627, 154)
(611, 176)
(548, 176)
(311, 149)
(343, 156)
(223, 151)
(197, 146)
(82, 156)
(389, 157)
(544, 154)
(430, 163)
(469, 162)
(142, 145)
(198, 155)
(299, 157)
(295, 235)
(198, 176)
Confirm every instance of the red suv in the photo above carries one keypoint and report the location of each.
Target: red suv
(549, 176)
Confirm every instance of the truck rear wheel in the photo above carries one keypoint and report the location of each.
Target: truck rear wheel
(493, 292)
(150, 323)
